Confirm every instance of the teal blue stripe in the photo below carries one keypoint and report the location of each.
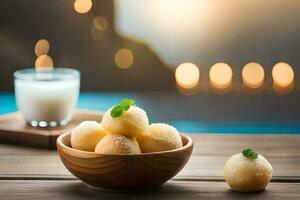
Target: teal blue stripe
(240, 128)
(104, 100)
(7, 102)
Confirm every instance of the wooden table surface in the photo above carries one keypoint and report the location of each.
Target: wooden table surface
(30, 173)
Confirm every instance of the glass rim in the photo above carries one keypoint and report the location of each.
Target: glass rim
(55, 74)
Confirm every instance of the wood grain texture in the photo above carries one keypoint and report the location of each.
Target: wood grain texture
(209, 155)
(30, 173)
(124, 172)
(14, 129)
(193, 190)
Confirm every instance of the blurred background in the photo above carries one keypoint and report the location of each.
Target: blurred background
(183, 59)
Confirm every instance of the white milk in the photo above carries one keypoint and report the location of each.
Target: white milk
(47, 102)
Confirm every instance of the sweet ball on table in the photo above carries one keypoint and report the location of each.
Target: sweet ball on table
(247, 171)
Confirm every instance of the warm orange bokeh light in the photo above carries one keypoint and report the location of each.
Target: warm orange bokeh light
(42, 46)
(187, 75)
(100, 23)
(283, 74)
(253, 75)
(124, 58)
(44, 62)
(283, 90)
(220, 75)
(83, 6)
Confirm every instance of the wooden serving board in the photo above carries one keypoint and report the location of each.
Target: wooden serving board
(14, 129)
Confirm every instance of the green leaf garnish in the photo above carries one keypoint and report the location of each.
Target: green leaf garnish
(116, 111)
(124, 105)
(249, 153)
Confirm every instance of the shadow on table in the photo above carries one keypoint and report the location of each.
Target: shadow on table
(171, 190)
(245, 195)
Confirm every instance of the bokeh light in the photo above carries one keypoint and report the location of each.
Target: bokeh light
(44, 61)
(83, 6)
(220, 75)
(42, 46)
(253, 75)
(283, 75)
(124, 58)
(187, 75)
(100, 23)
(283, 90)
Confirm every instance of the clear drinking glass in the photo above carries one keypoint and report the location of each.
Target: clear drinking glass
(47, 98)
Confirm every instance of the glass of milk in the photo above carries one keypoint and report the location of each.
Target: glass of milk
(47, 98)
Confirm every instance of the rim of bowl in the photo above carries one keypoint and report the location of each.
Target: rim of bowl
(60, 143)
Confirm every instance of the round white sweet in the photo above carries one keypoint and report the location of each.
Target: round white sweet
(86, 135)
(117, 144)
(247, 175)
(160, 137)
(131, 123)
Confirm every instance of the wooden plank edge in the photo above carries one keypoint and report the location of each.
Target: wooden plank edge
(278, 179)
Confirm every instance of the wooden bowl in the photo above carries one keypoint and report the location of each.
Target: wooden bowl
(124, 172)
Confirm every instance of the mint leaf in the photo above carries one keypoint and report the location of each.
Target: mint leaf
(123, 106)
(126, 103)
(249, 153)
(116, 111)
